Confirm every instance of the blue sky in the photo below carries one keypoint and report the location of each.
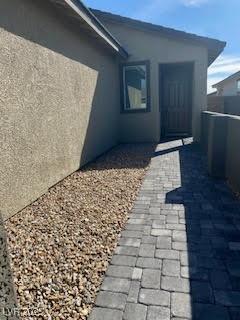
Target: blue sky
(212, 18)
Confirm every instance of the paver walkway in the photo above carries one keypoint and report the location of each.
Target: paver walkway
(179, 256)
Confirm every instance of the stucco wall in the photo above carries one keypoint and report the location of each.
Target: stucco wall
(224, 104)
(150, 46)
(56, 109)
(229, 88)
(220, 141)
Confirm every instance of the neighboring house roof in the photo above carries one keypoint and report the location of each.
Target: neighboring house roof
(212, 93)
(215, 47)
(87, 20)
(235, 76)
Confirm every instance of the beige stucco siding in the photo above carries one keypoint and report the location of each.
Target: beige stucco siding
(59, 101)
(158, 49)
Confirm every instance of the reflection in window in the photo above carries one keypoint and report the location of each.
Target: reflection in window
(135, 87)
(238, 85)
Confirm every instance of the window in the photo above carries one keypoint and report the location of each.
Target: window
(238, 85)
(135, 87)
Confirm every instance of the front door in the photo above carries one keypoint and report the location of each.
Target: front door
(176, 92)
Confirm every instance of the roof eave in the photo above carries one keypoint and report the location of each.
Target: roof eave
(214, 46)
(231, 77)
(80, 11)
(215, 52)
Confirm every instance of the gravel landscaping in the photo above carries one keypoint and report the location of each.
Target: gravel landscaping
(61, 244)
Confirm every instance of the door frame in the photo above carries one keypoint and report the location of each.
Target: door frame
(161, 66)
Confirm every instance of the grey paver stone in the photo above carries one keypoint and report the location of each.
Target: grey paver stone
(227, 298)
(121, 260)
(234, 268)
(120, 272)
(105, 314)
(181, 246)
(152, 263)
(138, 215)
(194, 273)
(184, 258)
(147, 230)
(175, 284)
(164, 243)
(210, 312)
(167, 254)
(188, 259)
(127, 251)
(235, 246)
(130, 242)
(115, 285)
(235, 313)
(179, 236)
(147, 250)
(136, 221)
(149, 239)
(176, 226)
(134, 292)
(154, 210)
(209, 263)
(182, 220)
(181, 305)
(220, 280)
(158, 313)
(137, 274)
(158, 224)
(135, 311)
(134, 227)
(171, 268)
(172, 219)
(154, 297)
(131, 234)
(201, 292)
(161, 232)
(151, 279)
(112, 300)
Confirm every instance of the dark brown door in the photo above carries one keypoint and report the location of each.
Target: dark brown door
(176, 100)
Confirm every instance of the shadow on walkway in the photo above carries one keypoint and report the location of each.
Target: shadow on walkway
(211, 215)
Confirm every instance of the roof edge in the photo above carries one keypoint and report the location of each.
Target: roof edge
(94, 23)
(215, 46)
(232, 76)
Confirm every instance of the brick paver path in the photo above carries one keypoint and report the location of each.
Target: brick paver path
(179, 256)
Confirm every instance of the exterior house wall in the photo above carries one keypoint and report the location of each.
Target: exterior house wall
(229, 88)
(56, 109)
(150, 46)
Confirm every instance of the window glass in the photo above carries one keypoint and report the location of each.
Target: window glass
(238, 85)
(135, 87)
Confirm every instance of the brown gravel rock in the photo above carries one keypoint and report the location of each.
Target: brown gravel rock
(8, 303)
(61, 244)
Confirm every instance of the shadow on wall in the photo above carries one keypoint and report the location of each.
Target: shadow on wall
(54, 136)
(46, 36)
(102, 127)
(212, 258)
(8, 302)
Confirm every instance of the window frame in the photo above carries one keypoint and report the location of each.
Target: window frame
(122, 88)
